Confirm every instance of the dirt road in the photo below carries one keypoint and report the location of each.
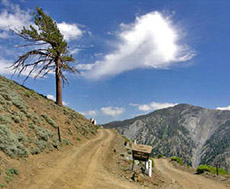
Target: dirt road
(94, 164)
(182, 179)
(83, 167)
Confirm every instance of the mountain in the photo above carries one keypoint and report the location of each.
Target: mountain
(195, 134)
(29, 122)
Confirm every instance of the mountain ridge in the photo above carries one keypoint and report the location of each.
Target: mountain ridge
(184, 130)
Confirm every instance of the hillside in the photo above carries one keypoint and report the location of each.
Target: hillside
(197, 135)
(29, 122)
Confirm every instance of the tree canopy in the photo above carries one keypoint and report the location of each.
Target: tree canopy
(49, 53)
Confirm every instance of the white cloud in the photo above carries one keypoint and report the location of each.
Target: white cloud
(152, 106)
(4, 67)
(90, 113)
(13, 17)
(84, 66)
(70, 31)
(52, 97)
(112, 111)
(223, 108)
(150, 42)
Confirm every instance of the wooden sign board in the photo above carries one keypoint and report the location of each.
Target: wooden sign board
(141, 152)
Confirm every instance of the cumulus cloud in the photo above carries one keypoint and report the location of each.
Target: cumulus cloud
(52, 97)
(150, 42)
(223, 108)
(112, 111)
(70, 31)
(12, 17)
(152, 106)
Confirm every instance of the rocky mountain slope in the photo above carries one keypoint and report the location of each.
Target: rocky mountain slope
(197, 135)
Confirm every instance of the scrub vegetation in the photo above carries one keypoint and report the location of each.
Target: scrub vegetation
(29, 122)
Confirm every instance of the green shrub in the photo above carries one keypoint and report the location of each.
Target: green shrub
(78, 139)
(49, 120)
(4, 119)
(41, 145)
(16, 119)
(12, 171)
(3, 185)
(42, 133)
(10, 174)
(28, 115)
(160, 155)
(18, 116)
(21, 137)
(8, 94)
(1, 108)
(35, 151)
(9, 143)
(36, 120)
(2, 100)
(177, 159)
(67, 142)
(210, 169)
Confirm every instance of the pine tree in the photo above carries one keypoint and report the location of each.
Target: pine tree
(50, 54)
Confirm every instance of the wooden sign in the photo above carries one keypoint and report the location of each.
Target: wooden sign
(141, 152)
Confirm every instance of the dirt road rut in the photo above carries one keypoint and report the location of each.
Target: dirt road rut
(183, 179)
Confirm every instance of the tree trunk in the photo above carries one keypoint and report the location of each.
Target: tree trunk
(58, 81)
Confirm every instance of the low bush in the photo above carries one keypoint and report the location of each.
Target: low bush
(177, 159)
(210, 169)
(2, 100)
(9, 96)
(4, 119)
(9, 143)
(41, 145)
(16, 119)
(42, 133)
(3, 185)
(12, 171)
(35, 151)
(67, 142)
(49, 120)
(10, 174)
(160, 155)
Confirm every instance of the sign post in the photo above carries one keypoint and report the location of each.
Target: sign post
(150, 168)
(142, 153)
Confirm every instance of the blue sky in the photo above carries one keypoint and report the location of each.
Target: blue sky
(135, 56)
